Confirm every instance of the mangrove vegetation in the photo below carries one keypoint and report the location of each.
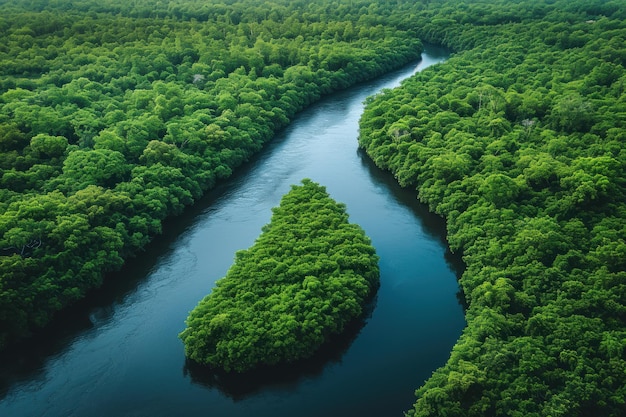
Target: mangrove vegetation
(116, 115)
(518, 141)
(308, 274)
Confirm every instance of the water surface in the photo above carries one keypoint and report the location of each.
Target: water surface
(118, 354)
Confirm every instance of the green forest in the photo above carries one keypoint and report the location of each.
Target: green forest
(519, 142)
(117, 115)
(308, 274)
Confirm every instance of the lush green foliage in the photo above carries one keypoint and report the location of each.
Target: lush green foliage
(518, 141)
(115, 115)
(307, 275)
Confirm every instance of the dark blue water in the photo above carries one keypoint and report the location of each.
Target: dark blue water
(118, 354)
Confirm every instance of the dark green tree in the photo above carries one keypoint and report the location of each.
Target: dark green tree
(307, 275)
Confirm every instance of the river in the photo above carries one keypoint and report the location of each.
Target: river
(118, 354)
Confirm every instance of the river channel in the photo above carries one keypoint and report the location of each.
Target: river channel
(118, 354)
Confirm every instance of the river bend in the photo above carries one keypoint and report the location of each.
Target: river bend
(118, 354)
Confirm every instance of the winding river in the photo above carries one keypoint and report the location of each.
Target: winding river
(118, 354)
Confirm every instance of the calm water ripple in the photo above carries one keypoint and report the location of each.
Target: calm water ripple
(118, 354)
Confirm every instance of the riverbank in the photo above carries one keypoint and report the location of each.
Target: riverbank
(105, 365)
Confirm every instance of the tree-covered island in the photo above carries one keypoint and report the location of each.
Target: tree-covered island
(308, 274)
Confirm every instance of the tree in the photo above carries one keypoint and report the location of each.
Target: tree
(99, 167)
(48, 146)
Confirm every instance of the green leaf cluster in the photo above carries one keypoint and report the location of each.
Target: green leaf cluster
(115, 115)
(518, 141)
(308, 274)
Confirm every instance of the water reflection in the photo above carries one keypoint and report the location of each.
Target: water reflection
(282, 377)
(433, 225)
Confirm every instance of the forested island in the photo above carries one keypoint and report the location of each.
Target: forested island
(117, 115)
(308, 274)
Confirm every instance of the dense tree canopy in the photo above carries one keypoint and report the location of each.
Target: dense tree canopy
(115, 115)
(307, 275)
(518, 141)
